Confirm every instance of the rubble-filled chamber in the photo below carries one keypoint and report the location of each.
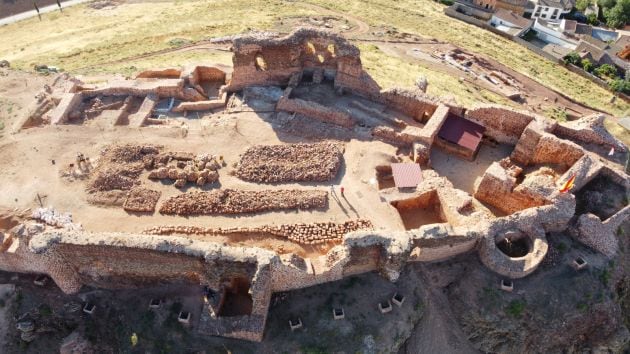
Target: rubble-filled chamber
(236, 299)
(602, 197)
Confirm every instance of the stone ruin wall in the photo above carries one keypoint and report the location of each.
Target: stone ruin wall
(315, 110)
(503, 124)
(438, 242)
(206, 73)
(413, 103)
(304, 48)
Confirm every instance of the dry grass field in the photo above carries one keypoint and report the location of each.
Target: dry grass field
(426, 18)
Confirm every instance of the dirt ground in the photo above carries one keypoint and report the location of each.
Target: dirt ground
(454, 306)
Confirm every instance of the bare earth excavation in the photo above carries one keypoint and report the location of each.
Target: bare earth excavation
(308, 173)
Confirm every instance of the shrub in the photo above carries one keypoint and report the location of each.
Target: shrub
(531, 34)
(592, 20)
(606, 71)
(45, 310)
(618, 15)
(447, 2)
(620, 85)
(582, 4)
(572, 58)
(515, 308)
(587, 65)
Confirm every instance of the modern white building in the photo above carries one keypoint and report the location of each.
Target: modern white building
(509, 22)
(552, 10)
(551, 34)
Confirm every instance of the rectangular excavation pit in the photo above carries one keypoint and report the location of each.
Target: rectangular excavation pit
(295, 324)
(384, 177)
(338, 314)
(507, 285)
(463, 173)
(385, 306)
(236, 299)
(155, 304)
(579, 263)
(89, 308)
(184, 317)
(602, 196)
(398, 299)
(421, 210)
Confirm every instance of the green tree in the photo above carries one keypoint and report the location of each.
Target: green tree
(572, 58)
(606, 4)
(582, 4)
(606, 71)
(591, 19)
(620, 85)
(587, 65)
(618, 15)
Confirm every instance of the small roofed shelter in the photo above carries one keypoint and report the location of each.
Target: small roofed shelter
(406, 175)
(460, 136)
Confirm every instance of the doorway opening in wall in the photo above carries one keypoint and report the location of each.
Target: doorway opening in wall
(307, 76)
(237, 301)
(261, 64)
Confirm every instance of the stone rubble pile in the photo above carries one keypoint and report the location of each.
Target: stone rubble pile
(114, 178)
(182, 168)
(121, 166)
(291, 163)
(142, 200)
(230, 201)
(311, 234)
(51, 217)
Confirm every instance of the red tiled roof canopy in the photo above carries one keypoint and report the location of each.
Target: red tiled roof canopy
(462, 132)
(406, 174)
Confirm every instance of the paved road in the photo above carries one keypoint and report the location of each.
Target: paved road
(42, 10)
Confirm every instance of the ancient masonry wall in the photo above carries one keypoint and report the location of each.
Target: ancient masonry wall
(315, 110)
(413, 103)
(268, 60)
(498, 187)
(433, 126)
(503, 124)
(405, 138)
(168, 73)
(538, 146)
(68, 103)
(437, 242)
(589, 130)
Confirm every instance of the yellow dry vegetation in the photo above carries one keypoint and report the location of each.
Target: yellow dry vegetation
(391, 71)
(426, 18)
(82, 37)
